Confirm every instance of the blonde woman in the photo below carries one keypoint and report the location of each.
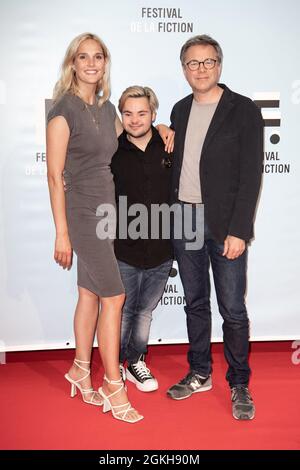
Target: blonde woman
(81, 140)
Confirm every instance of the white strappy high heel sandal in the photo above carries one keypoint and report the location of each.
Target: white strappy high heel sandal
(122, 414)
(84, 391)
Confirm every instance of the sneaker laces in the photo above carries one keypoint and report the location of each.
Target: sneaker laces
(190, 378)
(122, 372)
(142, 370)
(241, 394)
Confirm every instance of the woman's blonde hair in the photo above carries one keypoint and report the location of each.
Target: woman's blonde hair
(68, 82)
(139, 92)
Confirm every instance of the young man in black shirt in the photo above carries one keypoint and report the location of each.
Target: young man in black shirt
(142, 175)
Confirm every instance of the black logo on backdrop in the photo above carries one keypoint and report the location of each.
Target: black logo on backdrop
(267, 102)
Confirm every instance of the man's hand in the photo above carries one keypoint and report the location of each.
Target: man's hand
(64, 183)
(233, 247)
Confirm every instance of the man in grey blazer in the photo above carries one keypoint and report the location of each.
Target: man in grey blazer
(217, 162)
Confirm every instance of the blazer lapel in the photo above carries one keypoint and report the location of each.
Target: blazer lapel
(183, 120)
(224, 107)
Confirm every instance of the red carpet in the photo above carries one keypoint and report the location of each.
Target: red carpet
(37, 413)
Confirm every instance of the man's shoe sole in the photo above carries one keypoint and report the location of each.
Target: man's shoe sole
(245, 418)
(138, 385)
(202, 389)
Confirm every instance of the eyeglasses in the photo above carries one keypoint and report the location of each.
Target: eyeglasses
(208, 64)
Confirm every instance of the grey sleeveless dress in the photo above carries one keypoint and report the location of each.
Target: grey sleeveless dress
(89, 183)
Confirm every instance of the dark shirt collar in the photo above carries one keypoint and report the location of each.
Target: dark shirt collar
(124, 143)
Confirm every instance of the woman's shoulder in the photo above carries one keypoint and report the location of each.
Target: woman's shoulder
(108, 112)
(64, 106)
(109, 106)
(67, 101)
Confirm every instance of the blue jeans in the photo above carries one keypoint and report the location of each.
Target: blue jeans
(230, 285)
(143, 289)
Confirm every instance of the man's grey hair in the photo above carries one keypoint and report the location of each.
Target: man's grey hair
(201, 40)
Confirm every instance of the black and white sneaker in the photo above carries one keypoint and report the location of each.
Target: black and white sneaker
(122, 372)
(141, 376)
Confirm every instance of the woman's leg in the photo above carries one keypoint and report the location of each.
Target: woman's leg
(85, 322)
(109, 345)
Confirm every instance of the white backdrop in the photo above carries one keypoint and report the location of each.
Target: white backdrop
(261, 45)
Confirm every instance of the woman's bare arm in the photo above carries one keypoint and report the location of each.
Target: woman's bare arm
(57, 138)
(119, 126)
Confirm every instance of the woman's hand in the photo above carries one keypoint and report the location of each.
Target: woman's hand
(167, 136)
(63, 253)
